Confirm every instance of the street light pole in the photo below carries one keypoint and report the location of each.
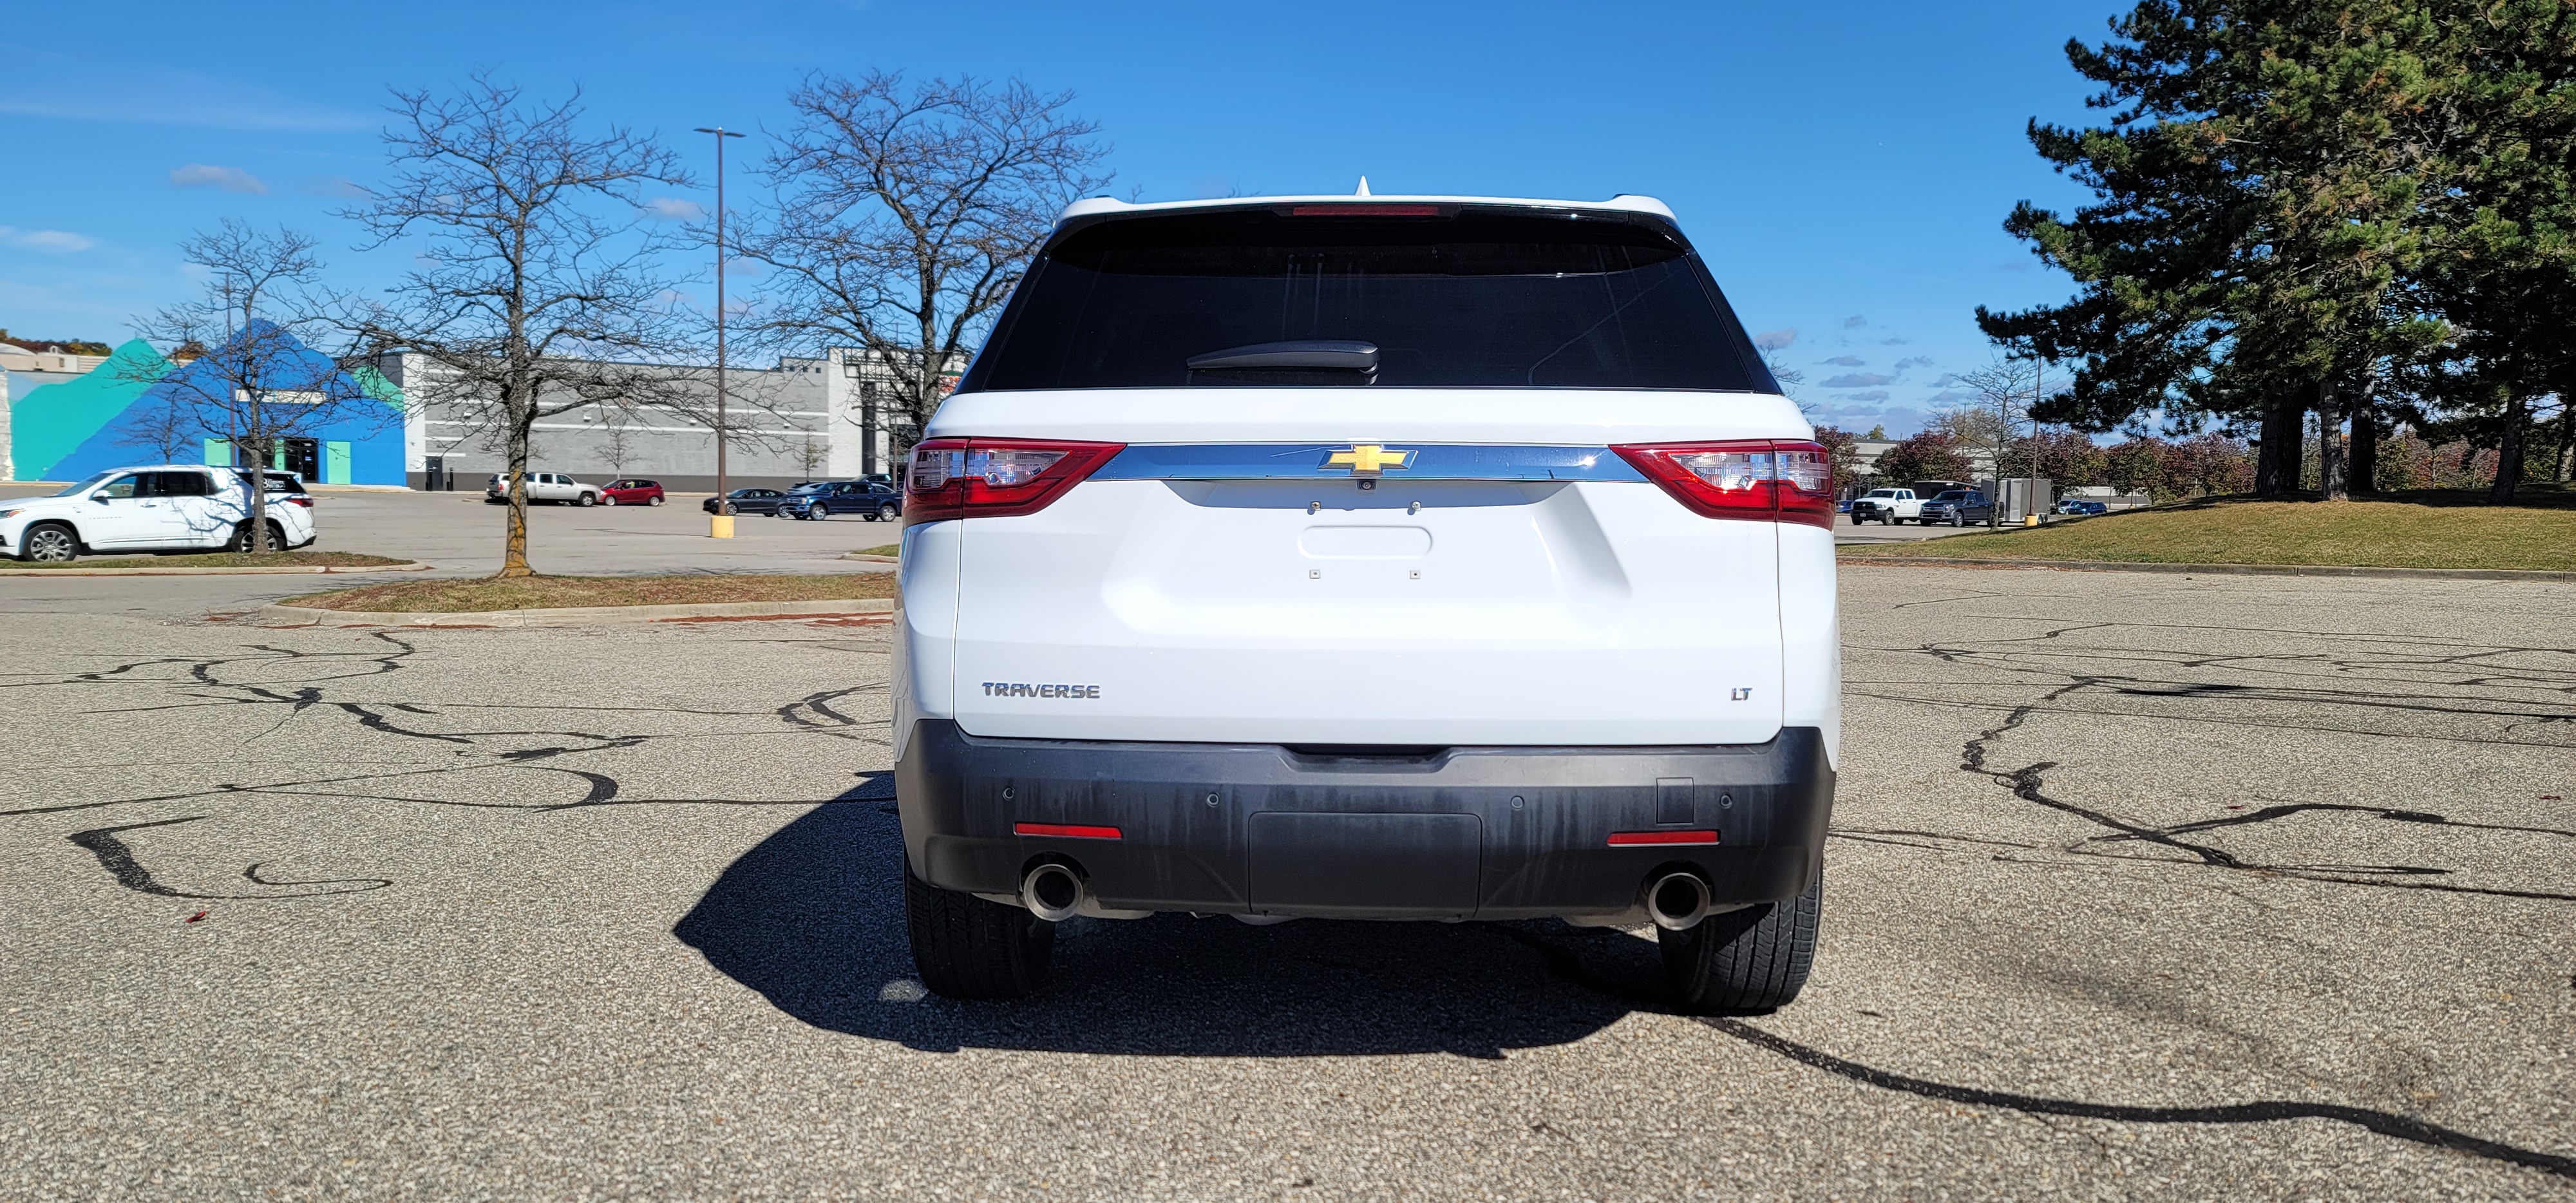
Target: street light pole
(722, 526)
(2038, 393)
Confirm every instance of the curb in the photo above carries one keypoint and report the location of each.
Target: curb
(867, 559)
(2438, 574)
(304, 570)
(568, 616)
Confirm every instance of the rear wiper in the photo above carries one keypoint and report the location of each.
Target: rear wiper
(1306, 361)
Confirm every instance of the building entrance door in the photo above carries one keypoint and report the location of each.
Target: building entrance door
(303, 457)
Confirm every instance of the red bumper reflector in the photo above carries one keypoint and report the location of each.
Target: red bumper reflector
(1069, 831)
(1624, 838)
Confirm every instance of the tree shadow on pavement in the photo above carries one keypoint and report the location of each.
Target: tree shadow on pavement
(812, 918)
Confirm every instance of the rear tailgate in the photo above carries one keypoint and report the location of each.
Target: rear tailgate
(1536, 591)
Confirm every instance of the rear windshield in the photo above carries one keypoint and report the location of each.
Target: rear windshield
(1468, 298)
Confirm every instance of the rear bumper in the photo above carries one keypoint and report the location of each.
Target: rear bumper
(1478, 832)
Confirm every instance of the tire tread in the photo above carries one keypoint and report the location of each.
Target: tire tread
(1755, 959)
(967, 947)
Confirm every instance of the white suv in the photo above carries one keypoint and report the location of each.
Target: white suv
(168, 507)
(1374, 558)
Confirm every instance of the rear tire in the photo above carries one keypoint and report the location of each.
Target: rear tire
(657, 500)
(1755, 959)
(49, 543)
(241, 538)
(888, 513)
(966, 947)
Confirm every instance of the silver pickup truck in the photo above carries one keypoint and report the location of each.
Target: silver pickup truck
(543, 486)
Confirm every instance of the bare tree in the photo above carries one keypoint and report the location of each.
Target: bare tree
(900, 218)
(538, 289)
(616, 444)
(259, 380)
(2006, 388)
(163, 426)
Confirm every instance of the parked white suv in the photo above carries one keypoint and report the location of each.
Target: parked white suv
(1379, 558)
(543, 486)
(167, 507)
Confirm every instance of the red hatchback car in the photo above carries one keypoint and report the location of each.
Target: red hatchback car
(631, 492)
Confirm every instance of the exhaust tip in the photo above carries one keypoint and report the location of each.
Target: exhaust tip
(1051, 892)
(1677, 901)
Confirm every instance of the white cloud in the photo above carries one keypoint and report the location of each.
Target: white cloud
(675, 208)
(1775, 340)
(207, 175)
(1915, 361)
(332, 185)
(1876, 394)
(1847, 361)
(1857, 380)
(70, 87)
(52, 242)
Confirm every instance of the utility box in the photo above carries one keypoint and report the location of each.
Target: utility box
(2016, 503)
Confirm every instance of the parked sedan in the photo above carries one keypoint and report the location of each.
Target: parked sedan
(867, 499)
(748, 501)
(631, 491)
(2079, 506)
(1957, 507)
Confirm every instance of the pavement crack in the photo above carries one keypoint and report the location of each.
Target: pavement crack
(2384, 1123)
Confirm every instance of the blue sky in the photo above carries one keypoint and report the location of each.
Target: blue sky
(1844, 167)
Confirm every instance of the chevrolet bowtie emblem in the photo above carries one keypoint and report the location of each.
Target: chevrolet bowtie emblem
(1368, 459)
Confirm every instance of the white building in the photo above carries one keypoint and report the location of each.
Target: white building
(804, 419)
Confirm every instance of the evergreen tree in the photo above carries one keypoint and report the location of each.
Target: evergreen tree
(2503, 261)
(2258, 192)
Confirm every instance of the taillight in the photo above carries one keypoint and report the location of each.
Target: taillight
(306, 502)
(996, 478)
(1767, 480)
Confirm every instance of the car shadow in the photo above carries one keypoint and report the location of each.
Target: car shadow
(812, 919)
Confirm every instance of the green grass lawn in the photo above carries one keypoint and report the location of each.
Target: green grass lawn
(550, 592)
(224, 559)
(2413, 530)
(890, 549)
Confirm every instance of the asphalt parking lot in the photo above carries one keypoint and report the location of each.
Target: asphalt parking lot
(460, 534)
(2141, 886)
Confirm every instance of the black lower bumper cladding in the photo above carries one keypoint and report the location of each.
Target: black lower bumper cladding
(1452, 833)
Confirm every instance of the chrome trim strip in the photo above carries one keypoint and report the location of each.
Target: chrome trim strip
(1305, 461)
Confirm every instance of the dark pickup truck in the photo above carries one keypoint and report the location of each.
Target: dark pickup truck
(1958, 507)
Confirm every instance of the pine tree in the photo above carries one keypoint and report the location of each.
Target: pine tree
(2258, 190)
